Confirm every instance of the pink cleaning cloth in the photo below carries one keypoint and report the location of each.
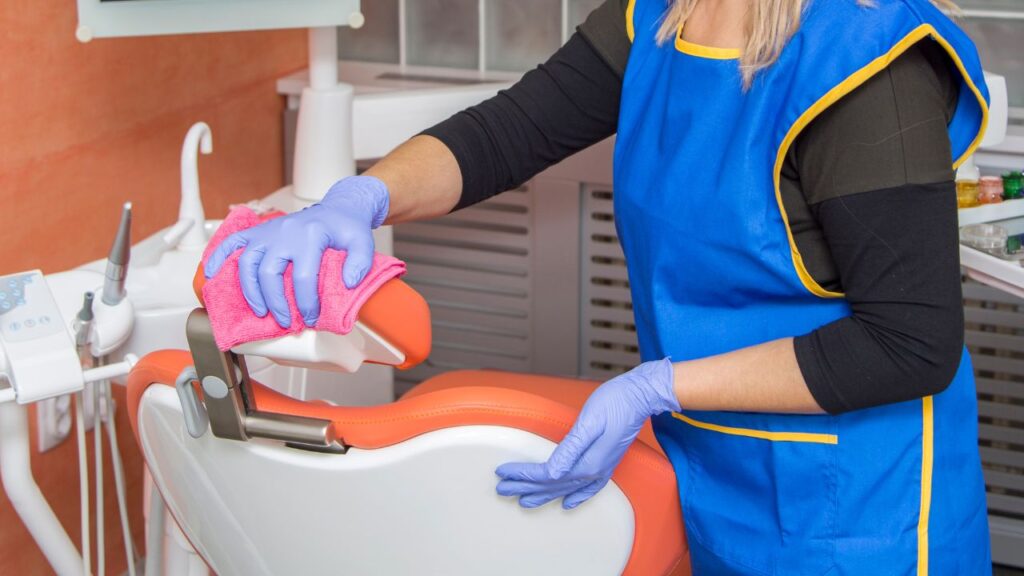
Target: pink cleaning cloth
(234, 323)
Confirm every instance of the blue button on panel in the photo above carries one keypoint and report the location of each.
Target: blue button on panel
(17, 293)
(5, 305)
(20, 302)
(28, 279)
(12, 283)
(3, 295)
(15, 327)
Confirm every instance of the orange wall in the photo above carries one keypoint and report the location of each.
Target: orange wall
(85, 127)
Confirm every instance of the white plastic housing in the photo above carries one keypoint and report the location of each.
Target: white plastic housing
(388, 109)
(112, 325)
(326, 350)
(41, 361)
(424, 506)
(159, 287)
(323, 144)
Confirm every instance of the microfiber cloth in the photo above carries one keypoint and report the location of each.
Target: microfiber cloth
(234, 323)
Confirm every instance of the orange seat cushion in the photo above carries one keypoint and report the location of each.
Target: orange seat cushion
(569, 391)
(537, 404)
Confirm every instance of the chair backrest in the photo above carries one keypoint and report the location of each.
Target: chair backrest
(415, 492)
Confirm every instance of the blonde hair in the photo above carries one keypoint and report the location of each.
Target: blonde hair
(770, 24)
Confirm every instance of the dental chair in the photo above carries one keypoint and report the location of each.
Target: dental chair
(264, 484)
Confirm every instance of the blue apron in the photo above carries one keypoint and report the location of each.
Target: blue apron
(713, 268)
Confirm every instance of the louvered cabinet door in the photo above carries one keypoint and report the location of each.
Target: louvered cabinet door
(995, 337)
(608, 345)
(473, 267)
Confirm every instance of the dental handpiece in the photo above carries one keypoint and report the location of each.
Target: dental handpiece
(117, 261)
(83, 328)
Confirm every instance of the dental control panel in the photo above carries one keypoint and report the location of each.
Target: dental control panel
(40, 358)
(27, 309)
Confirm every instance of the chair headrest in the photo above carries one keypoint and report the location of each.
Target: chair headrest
(396, 312)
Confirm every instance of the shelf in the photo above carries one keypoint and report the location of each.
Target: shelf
(992, 212)
(1006, 275)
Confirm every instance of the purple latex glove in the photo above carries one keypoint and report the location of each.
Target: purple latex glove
(343, 220)
(610, 420)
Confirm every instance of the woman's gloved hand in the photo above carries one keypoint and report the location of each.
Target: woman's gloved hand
(610, 420)
(343, 220)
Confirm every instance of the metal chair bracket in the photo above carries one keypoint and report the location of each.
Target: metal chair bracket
(227, 406)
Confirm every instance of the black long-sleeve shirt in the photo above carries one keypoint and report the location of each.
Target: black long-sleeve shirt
(867, 186)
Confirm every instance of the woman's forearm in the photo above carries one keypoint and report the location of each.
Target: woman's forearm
(422, 177)
(762, 378)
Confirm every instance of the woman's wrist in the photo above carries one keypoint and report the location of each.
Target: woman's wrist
(366, 194)
(659, 376)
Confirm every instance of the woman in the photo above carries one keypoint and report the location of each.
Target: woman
(784, 195)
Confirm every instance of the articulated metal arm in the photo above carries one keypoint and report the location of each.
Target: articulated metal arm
(229, 408)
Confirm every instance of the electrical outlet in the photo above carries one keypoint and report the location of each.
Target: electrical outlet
(53, 421)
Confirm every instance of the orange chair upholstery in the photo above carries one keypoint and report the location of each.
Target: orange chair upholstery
(568, 391)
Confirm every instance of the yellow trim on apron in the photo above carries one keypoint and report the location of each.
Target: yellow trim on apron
(834, 95)
(927, 455)
(630, 10)
(806, 437)
(702, 51)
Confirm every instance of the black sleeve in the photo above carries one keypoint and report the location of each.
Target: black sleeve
(555, 110)
(888, 132)
(605, 29)
(897, 253)
(876, 174)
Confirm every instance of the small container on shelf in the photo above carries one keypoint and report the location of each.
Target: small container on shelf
(966, 193)
(967, 185)
(1001, 240)
(990, 189)
(1013, 182)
